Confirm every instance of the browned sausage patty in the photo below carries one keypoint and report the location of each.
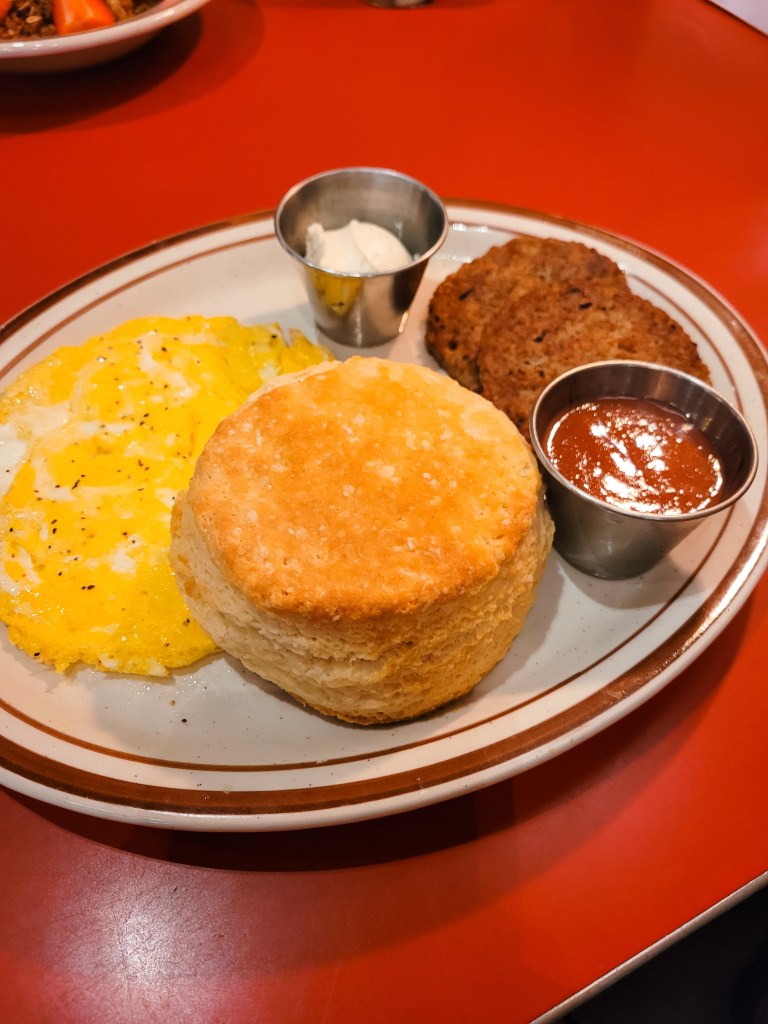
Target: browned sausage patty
(464, 304)
(551, 330)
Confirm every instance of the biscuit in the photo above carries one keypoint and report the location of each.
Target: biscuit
(367, 535)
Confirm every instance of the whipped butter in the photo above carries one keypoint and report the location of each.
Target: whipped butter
(357, 248)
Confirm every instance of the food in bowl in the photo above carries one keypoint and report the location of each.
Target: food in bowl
(361, 308)
(368, 535)
(678, 490)
(358, 247)
(635, 454)
(96, 440)
(509, 322)
(40, 19)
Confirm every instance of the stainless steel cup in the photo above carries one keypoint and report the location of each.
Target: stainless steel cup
(397, 3)
(362, 309)
(606, 541)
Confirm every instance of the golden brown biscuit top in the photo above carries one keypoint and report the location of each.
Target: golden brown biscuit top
(362, 487)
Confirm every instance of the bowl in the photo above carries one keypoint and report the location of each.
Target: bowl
(85, 49)
(362, 309)
(594, 533)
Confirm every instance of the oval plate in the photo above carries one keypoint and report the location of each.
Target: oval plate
(216, 748)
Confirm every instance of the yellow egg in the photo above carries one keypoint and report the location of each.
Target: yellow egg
(95, 442)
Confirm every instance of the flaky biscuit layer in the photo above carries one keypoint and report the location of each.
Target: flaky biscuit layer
(368, 535)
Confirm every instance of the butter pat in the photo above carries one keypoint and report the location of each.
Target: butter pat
(357, 248)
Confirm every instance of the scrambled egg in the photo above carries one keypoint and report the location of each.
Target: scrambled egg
(95, 443)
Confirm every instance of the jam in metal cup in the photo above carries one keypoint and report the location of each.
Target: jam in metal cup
(603, 539)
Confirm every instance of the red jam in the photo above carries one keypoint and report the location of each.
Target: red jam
(636, 454)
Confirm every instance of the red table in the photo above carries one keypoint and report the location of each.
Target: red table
(646, 119)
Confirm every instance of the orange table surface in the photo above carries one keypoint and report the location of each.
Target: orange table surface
(646, 119)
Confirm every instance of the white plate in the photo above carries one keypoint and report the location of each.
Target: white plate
(216, 748)
(84, 49)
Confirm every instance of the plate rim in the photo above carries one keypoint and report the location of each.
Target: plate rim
(231, 811)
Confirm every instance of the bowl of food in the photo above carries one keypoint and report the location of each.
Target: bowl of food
(45, 36)
(362, 238)
(635, 456)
